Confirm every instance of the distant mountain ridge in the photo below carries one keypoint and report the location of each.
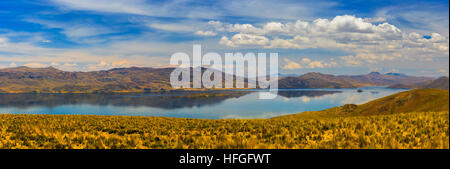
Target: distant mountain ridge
(51, 80)
(397, 74)
(142, 79)
(319, 80)
(440, 83)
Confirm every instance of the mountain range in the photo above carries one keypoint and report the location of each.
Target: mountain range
(440, 83)
(140, 79)
(319, 80)
(51, 80)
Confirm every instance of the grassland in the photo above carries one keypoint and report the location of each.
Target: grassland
(387, 123)
(411, 130)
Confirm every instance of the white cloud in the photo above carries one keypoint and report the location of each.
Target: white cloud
(244, 28)
(225, 41)
(46, 41)
(368, 40)
(282, 43)
(172, 27)
(74, 30)
(307, 63)
(206, 33)
(306, 60)
(68, 66)
(274, 27)
(375, 20)
(170, 8)
(35, 65)
(281, 9)
(138, 7)
(351, 60)
(102, 64)
(244, 39)
(3, 42)
(443, 72)
(347, 23)
(139, 53)
(418, 17)
(121, 63)
(291, 64)
(13, 64)
(315, 64)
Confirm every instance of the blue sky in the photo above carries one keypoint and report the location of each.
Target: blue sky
(336, 37)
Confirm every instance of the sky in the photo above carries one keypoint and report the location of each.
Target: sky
(334, 37)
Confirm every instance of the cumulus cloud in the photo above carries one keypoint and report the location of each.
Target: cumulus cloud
(225, 41)
(308, 63)
(306, 60)
(315, 64)
(35, 65)
(244, 39)
(351, 60)
(375, 20)
(283, 43)
(370, 39)
(206, 33)
(291, 64)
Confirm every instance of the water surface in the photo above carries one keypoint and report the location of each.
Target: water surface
(205, 105)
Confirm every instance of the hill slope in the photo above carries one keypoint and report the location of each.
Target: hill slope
(423, 100)
(319, 80)
(440, 83)
(316, 80)
(51, 80)
(386, 79)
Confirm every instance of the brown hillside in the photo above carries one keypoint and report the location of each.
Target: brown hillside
(423, 100)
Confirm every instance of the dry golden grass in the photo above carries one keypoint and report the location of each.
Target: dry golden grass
(422, 130)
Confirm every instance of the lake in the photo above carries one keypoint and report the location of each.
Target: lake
(204, 105)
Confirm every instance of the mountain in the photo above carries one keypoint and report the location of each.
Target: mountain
(319, 80)
(375, 78)
(316, 80)
(284, 75)
(118, 80)
(440, 83)
(51, 80)
(397, 74)
(140, 79)
(422, 100)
